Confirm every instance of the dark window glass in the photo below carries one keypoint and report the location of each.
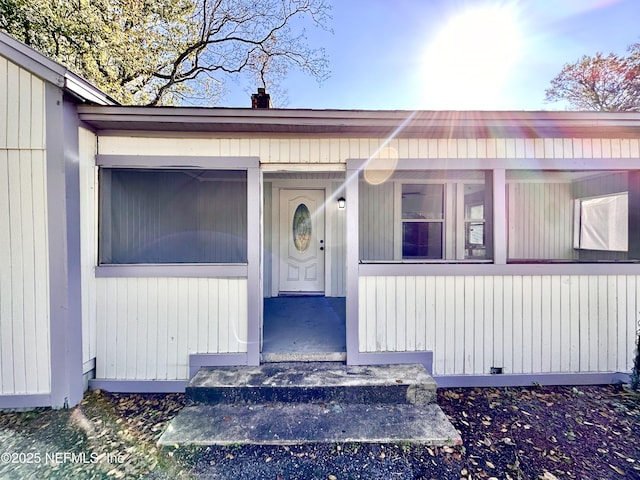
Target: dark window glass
(422, 240)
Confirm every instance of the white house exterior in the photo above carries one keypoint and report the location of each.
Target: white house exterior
(141, 242)
(40, 363)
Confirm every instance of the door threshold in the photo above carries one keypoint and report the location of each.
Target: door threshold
(304, 357)
(301, 294)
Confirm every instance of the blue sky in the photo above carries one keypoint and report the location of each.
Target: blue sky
(455, 54)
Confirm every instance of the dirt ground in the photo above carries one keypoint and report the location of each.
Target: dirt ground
(508, 433)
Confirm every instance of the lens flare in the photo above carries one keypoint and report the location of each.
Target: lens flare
(381, 166)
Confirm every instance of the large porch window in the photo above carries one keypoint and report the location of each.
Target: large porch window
(418, 216)
(571, 216)
(168, 216)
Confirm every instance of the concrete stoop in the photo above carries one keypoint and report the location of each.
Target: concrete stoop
(297, 403)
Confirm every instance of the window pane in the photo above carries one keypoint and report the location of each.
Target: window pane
(474, 240)
(422, 201)
(475, 247)
(474, 202)
(422, 240)
(173, 216)
(448, 199)
(565, 215)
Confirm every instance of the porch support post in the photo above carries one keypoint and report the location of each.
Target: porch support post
(634, 215)
(353, 233)
(254, 288)
(499, 217)
(65, 289)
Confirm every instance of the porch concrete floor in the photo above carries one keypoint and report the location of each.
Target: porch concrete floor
(304, 325)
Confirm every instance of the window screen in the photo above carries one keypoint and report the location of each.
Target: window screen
(172, 216)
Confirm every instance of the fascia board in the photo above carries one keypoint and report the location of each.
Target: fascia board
(50, 71)
(359, 122)
(29, 59)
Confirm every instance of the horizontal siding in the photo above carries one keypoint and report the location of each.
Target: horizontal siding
(525, 324)
(22, 118)
(334, 150)
(24, 276)
(147, 327)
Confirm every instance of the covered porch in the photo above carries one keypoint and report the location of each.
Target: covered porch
(304, 328)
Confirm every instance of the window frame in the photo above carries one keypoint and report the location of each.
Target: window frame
(399, 244)
(497, 235)
(453, 222)
(248, 164)
(105, 234)
(461, 243)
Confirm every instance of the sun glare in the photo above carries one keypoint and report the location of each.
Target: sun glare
(470, 59)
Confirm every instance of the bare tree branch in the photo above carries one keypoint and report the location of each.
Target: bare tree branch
(161, 51)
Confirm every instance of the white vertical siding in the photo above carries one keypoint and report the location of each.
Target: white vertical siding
(525, 324)
(147, 327)
(338, 252)
(376, 221)
(24, 274)
(89, 239)
(337, 150)
(540, 220)
(21, 108)
(267, 232)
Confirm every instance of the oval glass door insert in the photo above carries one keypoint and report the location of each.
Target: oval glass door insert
(301, 228)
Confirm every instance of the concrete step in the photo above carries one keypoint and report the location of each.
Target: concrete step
(302, 423)
(315, 382)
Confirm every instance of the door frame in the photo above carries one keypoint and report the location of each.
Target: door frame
(297, 184)
(316, 200)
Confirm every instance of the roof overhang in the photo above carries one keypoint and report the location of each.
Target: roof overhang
(358, 123)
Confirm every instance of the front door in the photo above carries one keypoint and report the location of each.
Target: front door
(302, 243)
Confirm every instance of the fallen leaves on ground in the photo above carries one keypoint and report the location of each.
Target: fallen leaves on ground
(548, 432)
(536, 433)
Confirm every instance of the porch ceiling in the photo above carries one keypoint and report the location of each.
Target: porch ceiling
(360, 123)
